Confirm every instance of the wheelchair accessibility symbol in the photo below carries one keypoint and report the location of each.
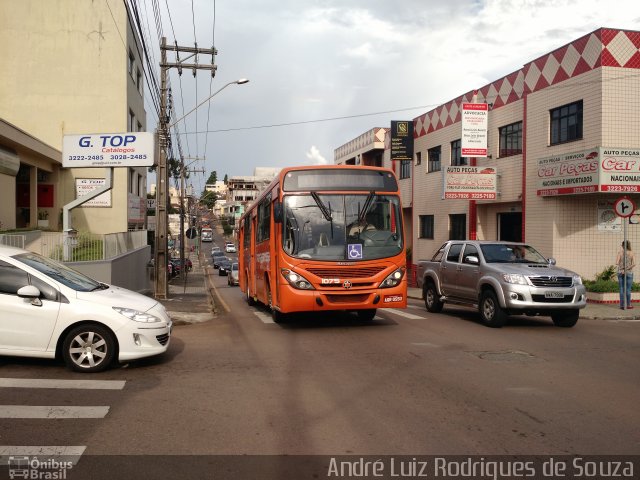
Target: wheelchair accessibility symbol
(354, 251)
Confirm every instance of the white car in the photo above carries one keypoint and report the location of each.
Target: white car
(230, 248)
(49, 310)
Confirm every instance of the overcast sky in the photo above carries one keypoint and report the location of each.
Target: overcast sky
(313, 62)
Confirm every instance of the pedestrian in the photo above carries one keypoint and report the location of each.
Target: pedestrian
(625, 262)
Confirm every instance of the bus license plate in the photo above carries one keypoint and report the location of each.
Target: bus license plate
(553, 295)
(392, 298)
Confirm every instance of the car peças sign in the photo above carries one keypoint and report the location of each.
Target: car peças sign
(132, 149)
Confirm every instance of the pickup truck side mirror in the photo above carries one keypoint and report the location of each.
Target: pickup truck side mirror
(471, 259)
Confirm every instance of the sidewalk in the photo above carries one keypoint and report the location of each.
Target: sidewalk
(593, 311)
(189, 300)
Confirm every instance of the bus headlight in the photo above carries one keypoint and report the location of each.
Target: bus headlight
(296, 280)
(394, 279)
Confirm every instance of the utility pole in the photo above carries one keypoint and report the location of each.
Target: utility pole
(161, 258)
(161, 255)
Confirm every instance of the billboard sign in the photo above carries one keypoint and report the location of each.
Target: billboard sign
(600, 169)
(401, 140)
(133, 149)
(475, 119)
(470, 183)
(84, 186)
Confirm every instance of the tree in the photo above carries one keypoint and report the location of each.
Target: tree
(213, 178)
(226, 179)
(208, 198)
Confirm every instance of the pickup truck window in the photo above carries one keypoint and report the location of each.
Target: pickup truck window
(469, 250)
(454, 252)
(511, 253)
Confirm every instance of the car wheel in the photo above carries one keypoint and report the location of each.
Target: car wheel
(490, 310)
(276, 315)
(566, 319)
(431, 298)
(366, 315)
(89, 348)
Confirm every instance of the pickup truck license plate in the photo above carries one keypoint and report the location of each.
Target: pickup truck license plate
(553, 295)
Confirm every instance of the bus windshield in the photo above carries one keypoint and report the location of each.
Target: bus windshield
(342, 227)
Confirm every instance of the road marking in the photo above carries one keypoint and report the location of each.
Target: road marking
(68, 453)
(52, 383)
(416, 307)
(426, 344)
(30, 411)
(410, 316)
(265, 317)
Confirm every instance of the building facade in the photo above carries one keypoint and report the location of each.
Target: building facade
(76, 69)
(564, 144)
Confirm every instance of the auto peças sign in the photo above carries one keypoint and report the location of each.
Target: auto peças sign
(601, 169)
(132, 149)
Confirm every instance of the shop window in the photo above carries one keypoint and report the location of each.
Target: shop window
(458, 226)
(511, 139)
(405, 169)
(426, 226)
(456, 153)
(566, 123)
(435, 154)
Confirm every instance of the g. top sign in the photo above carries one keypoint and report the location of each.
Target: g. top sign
(132, 149)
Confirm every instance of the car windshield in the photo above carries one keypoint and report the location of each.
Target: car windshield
(342, 227)
(511, 253)
(60, 272)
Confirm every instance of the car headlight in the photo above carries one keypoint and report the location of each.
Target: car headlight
(137, 316)
(514, 278)
(577, 280)
(394, 279)
(296, 280)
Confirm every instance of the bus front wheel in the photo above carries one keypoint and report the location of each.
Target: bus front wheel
(276, 315)
(366, 315)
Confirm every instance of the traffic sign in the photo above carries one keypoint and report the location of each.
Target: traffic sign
(624, 207)
(192, 233)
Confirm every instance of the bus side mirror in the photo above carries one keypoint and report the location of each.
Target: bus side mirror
(277, 211)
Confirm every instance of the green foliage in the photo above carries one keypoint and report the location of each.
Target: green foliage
(87, 249)
(607, 286)
(609, 273)
(607, 282)
(213, 178)
(228, 229)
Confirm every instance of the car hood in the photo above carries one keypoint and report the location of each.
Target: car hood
(535, 269)
(119, 297)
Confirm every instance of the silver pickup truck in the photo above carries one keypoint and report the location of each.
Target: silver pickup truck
(500, 279)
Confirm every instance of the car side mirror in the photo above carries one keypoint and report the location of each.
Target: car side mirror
(28, 291)
(277, 211)
(471, 259)
(551, 261)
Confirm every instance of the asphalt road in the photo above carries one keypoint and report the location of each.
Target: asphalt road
(409, 383)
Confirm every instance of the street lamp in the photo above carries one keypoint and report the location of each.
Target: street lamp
(240, 81)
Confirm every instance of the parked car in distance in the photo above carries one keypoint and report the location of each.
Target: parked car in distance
(224, 266)
(216, 256)
(232, 278)
(230, 247)
(501, 279)
(187, 262)
(215, 249)
(50, 310)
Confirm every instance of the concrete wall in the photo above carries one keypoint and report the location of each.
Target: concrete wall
(128, 270)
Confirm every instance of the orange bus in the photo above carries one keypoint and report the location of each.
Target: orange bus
(325, 238)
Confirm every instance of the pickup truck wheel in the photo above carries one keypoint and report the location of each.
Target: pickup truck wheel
(566, 319)
(491, 311)
(431, 298)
